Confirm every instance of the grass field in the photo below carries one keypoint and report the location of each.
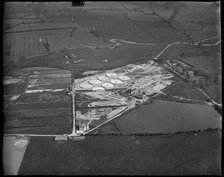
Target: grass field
(72, 29)
(132, 21)
(117, 57)
(26, 44)
(128, 20)
(205, 58)
(215, 91)
(179, 154)
(185, 90)
(209, 64)
(22, 45)
(54, 60)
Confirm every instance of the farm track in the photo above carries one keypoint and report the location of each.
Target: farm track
(116, 44)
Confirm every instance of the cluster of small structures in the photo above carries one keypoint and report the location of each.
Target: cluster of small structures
(116, 91)
(185, 71)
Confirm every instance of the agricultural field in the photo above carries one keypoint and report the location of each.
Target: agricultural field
(174, 117)
(36, 101)
(210, 65)
(215, 91)
(54, 60)
(117, 57)
(106, 36)
(185, 90)
(23, 44)
(184, 51)
(148, 155)
(74, 28)
(49, 44)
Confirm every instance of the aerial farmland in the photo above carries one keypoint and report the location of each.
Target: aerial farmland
(119, 88)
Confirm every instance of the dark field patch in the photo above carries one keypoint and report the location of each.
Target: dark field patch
(37, 121)
(40, 122)
(109, 128)
(207, 30)
(52, 86)
(215, 91)
(43, 113)
(185, 90)
(43, 97)
(53, 60)
(163, 116)
(184, 51)
(30, 106)
(41, 130)
(179, 154)
(209, 64)
(122, 55)
(6, 101)
(12, 89)
(40, 26)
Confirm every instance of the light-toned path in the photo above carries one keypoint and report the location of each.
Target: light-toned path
(117, 43)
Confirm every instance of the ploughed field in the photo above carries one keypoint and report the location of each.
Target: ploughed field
(20, 44)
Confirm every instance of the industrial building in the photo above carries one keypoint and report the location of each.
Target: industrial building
(108, 101)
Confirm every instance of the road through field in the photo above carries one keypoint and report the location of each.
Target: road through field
(117, 42)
